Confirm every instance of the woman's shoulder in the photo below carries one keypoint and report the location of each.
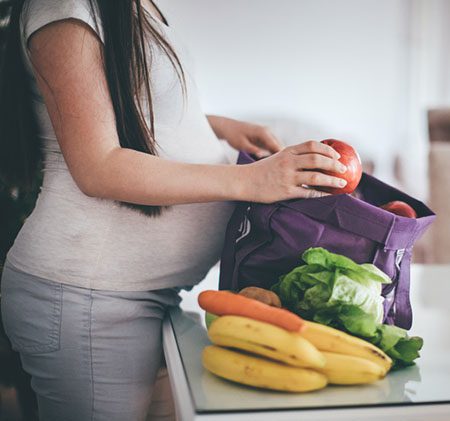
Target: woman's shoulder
(38, 13)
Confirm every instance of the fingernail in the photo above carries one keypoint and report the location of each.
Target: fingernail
(338, 155)
(342, 182)
(342, 168)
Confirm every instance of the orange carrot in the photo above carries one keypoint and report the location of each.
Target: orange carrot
(222, 303)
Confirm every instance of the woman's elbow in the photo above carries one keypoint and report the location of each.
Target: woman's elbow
(91, 185)
(95, 179)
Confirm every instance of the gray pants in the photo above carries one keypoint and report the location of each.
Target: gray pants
(92, 355)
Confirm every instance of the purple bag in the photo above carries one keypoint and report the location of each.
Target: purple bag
(264, 241)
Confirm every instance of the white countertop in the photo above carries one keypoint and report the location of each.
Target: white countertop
(418, 392)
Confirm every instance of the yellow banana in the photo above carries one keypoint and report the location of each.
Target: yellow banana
(260, 372)
(347, 369)
(328, 339)
(264, 339)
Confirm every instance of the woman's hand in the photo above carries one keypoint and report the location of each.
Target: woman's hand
(247, 137)
(292, 173)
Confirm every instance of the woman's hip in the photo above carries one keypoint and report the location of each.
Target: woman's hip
(90, 353)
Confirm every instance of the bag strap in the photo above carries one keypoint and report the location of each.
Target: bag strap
(228, 257)
(402, 303)
(397, 305)
(403, 310)
(227, 261)
(263, 235)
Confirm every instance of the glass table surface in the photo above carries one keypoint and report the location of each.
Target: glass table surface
(427, 382)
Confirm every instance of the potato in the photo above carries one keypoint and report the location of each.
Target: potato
(263, 295)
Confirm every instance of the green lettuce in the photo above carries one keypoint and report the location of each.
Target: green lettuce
(334, 290)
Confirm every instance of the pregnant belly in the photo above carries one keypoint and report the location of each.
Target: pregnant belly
(99, 241)
(186, 240)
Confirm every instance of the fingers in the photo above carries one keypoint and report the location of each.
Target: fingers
(313, 147)
(314, 178)
(268, 141)
(303, 192)
(319, 162)
(264, 141)
(251, 148)
(311, 193)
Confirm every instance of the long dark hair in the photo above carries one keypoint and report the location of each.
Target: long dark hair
(126, 29)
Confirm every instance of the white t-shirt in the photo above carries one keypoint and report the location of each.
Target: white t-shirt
(96, 243)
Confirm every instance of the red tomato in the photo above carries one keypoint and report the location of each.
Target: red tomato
(400, 208)
(350, 158)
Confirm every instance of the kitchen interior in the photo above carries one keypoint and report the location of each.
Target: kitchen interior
(375, 73)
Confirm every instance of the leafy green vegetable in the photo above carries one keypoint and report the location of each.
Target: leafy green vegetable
(334, 290)
(398, 345)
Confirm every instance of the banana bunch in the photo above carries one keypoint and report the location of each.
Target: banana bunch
(263, 355)
(289, 357)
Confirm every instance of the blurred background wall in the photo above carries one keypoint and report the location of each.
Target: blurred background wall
(360, 70)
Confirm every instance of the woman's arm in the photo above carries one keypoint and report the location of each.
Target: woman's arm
(67, 59)
(66, 56)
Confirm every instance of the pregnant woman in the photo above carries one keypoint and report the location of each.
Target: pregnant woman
(135, 199)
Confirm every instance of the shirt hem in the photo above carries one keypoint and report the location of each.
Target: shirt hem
(149, 285)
